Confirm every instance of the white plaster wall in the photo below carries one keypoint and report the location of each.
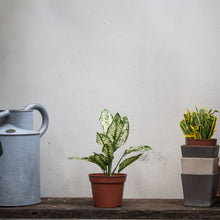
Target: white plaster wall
(146, 59)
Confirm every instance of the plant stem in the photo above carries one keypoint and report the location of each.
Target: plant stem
(109, 168)
(118, 163)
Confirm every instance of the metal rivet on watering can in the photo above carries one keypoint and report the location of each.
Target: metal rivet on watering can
(20, 159)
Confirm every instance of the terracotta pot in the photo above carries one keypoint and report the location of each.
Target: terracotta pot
(197, 142)
(107, 190)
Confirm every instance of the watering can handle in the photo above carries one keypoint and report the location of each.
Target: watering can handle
(4, 114)
(45, 118)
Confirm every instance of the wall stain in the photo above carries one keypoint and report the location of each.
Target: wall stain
(152, 155)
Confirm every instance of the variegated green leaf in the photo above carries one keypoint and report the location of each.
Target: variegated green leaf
(137, 149)
(189, 135)
(118, 131)
(215, 111)
(212, 130)
(97, 159)
(108, 151)
(115, 128)
(186, 117)
(197, 119)
(103, 139)
(196, 132)
(127, 162)
(104, 159)
(105, 119)
(193, 121)
(185, 128)
(189, 115)
(122, 136)
(202, 114)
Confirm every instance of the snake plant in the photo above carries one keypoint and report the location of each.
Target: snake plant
(199, 124)
(115, 134)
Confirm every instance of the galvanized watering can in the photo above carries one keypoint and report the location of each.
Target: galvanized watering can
(20, 156)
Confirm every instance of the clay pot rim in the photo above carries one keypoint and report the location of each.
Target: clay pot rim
(102, 175)
(201, 139)
(103, 179)
(201, 142)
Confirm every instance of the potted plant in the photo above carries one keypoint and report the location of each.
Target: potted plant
(199, 158)
(199, 127)
(107, 187)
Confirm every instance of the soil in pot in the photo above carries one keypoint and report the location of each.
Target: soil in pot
(107, 190)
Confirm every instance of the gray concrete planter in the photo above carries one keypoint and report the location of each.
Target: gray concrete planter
(200, 151)
(199, 190)
(192, 165)
(200, 172)
(218, 188)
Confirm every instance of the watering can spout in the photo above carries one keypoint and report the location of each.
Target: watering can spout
(4, 114)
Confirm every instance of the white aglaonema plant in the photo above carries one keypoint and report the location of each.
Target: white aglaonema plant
(115, 134)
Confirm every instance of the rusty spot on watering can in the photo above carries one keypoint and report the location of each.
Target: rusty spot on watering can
(10, 131)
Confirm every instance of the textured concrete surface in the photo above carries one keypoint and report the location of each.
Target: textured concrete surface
(82, 208)
(199, 165)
